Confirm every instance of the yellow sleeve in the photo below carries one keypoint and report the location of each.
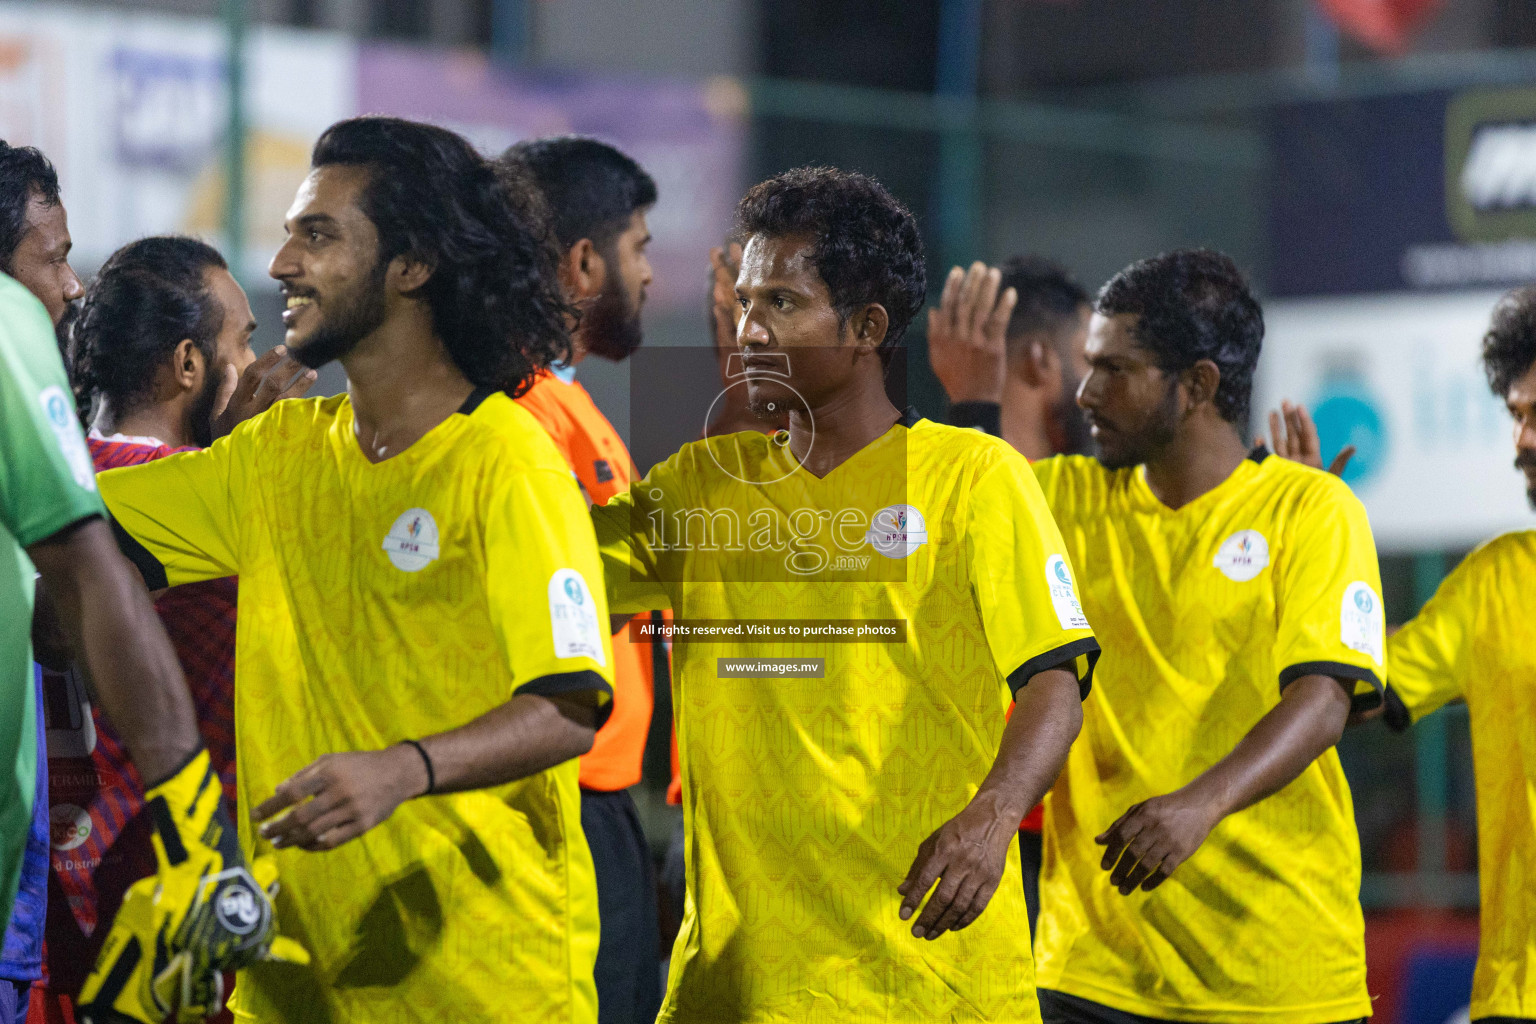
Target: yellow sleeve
(1328, 594)
(631, 571)
(177, 518)
(545, 587)
(1429, 655)
(1022, 579)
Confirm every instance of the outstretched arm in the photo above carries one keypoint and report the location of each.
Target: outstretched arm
(1147, 842)
(966, 856)
(113, 630)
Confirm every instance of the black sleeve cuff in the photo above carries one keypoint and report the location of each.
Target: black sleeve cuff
(1338, 670)
(1396, 714)
(143, 560)
(558, 683)
(1064, 656)
(984, 416)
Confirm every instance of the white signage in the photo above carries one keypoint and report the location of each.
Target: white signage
(1399, 377)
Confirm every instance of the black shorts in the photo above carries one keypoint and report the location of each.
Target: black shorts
(1060, 1008)
(628, 971)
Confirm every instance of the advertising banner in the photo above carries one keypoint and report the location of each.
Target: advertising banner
(1398, 376)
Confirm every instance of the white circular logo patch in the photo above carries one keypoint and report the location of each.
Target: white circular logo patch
(897, 531)
(68, 826)
(1242, 556)
(237, 909)
(412, 542)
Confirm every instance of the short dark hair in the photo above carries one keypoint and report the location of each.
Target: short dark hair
(590, 188)
(1194, 304)
(494, 291)
(148, 296)
(867, 247)
(24, 173)
(1050, 299)
(1509, 347)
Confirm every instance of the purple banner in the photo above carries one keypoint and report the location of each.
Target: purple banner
(689, 135)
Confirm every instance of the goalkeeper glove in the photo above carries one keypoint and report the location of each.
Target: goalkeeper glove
(201, 914)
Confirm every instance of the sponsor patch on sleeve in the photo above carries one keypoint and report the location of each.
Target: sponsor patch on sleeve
(66, 430)
(1362, 623)
(573, 617)
(1069, 611)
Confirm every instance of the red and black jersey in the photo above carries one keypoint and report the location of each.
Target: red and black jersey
(98, 848)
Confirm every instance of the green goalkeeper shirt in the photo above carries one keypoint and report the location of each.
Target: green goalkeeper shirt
(46, 483)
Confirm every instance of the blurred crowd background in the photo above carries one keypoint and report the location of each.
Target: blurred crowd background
(1370, 163)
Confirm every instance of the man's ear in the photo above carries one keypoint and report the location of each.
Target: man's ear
(1039, 365)
(869, 326)
(1201, 382)
(408, 274)
(583, 271)
(187, 365)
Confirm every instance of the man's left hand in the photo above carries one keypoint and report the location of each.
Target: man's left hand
(1147, 842)
(340, 797)
(966, 856)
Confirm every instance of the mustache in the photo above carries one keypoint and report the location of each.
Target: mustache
(1526, 459)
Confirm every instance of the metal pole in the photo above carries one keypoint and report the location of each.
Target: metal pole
(958, 203)
(509, 30)
(234, 136)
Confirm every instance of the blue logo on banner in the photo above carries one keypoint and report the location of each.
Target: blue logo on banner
(1346, 413)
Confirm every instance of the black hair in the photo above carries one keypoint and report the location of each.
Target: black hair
(866, 245)
(24, 173)
(1509, 347)
(494, 291)
(1194, 304)
(148, 297)
(1050, 299)
(590, 188)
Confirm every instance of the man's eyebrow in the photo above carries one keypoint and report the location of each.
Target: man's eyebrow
(310, 220)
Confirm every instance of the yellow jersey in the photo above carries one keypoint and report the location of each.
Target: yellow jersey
(1206, 613)
(1473, 640)
(805, 799)
(380, 602)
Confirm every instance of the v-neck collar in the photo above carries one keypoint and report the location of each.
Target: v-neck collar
(1244, 471)
(908, 419)
(349, 428)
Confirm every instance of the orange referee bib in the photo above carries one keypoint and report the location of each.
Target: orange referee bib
(597, 456)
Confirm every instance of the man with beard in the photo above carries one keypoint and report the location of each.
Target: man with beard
(1473, 641)
(421, 653)
(34, 249)
(597, 200)
(1022, 388)
(34, 232)
(1238, 593)
(162, 340)
(851, 809)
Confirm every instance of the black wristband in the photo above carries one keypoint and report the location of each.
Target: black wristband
(431, 775)
(984, 416)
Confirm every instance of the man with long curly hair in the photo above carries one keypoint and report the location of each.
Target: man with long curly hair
(1472, 642)
(422, 641)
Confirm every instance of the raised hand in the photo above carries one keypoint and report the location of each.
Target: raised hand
(967, 334)
(271, 377)
(1293, 436)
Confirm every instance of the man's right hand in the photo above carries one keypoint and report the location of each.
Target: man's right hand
(275, 375)
(202, 913)
(967, 334)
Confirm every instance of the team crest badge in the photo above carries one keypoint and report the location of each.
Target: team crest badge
(411, 543)
(897, 531)
(1242, 556)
